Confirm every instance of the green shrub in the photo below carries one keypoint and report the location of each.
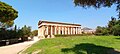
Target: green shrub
(60, 35)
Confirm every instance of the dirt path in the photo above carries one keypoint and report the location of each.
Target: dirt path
(15, 48)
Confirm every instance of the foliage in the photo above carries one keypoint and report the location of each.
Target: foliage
(59, 35)
(101, 31)
(35, 33)
(111, 24)
(8, 34)
(98, 4)
(116, 30)
(7, 15)
(113, 28)
(75, 45)
(25, 32)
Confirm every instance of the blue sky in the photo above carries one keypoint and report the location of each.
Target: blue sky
(31, 11)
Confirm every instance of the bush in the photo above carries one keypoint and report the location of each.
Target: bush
(116, 30)
(59, 35)
(102, 31)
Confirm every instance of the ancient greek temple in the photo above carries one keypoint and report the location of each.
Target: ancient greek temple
(47, 29)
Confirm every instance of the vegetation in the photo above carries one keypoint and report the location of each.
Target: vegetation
(98, 4)
(7, 15)
(113, 28)
(25, 32)
(76, 45)
(83, 34)
(8, 34)
(35, 33)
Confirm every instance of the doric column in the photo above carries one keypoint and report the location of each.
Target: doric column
(62, 30)
(80, 30)
(55, 30)
(59, 30)
(68, 30)
(65, 30)
(51, 30)
(47, 30)
(71, 30)
(76, 31)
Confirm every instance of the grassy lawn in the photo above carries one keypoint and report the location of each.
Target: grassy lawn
(77, 45)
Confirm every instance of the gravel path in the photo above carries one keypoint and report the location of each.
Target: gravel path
(15, 48)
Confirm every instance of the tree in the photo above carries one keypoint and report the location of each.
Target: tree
(9, 33)
(35, 32)
(7, 15)
(111, 24)
(116, 30)
(101, 31)
(26, 31)
(98, 4)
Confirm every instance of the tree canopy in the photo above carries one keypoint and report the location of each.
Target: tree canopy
(113, 28)
(26, 31)
(98, 3)
(35, 32)
(7, 14)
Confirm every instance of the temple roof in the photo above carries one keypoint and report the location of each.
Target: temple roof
(41, 21)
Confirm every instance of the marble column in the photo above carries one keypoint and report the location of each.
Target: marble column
(71, 30)
(52, 32)
(59, 32)
(62, 30)
(68, 30)
(65, 30)
(80, 30)
(55, 30)
(76, 31)
(47, 30)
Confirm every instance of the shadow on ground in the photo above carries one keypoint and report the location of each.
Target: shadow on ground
(88, 48)
(118, 38)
